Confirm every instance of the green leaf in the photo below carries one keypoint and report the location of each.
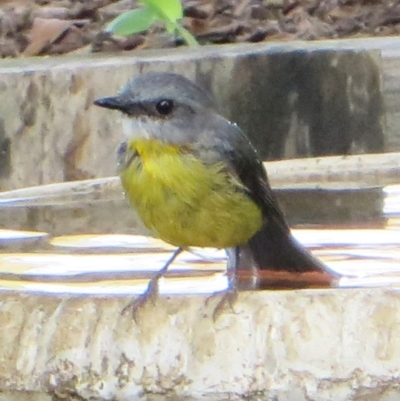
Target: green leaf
(171, 26)
(133, 21)
(139, 20)
(166, 9)
(170, 11)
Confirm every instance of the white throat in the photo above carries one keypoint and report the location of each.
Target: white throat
(141, 128)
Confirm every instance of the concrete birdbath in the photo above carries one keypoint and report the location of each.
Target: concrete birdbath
(74, 255)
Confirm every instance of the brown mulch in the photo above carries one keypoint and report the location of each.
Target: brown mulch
(49, 27)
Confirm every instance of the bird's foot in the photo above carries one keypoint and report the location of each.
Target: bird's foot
(225, 299)
(152, 291)
(150, 295)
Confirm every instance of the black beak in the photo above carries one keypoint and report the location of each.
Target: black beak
(113, 103)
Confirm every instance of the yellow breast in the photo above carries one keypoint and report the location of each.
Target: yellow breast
(185, 202)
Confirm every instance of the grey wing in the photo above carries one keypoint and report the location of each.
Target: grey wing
(272, 247)
(243, 162)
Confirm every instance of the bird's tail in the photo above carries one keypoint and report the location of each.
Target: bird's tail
(274, 248)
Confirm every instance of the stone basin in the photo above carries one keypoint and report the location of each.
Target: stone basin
(64, 335)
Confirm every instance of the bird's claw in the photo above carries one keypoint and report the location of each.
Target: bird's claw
(228, 298)
(150, 295)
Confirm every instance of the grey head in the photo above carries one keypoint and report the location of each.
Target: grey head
(162, 105)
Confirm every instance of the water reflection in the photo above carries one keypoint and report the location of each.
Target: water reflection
(366, 253)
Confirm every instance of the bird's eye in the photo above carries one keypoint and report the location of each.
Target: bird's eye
(165, 107)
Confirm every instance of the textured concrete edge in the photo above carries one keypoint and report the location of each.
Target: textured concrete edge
(388, 45)
(287, 345)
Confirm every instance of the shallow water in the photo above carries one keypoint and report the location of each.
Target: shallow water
(365, 251)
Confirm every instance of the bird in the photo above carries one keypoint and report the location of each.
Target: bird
(196, 180)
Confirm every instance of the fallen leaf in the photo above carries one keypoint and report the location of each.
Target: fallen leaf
(45, 32)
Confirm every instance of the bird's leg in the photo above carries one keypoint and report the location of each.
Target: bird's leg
(242, 275)
(152, 290)
(230, 294)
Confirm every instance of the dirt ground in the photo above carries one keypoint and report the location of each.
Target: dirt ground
(47, 27)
